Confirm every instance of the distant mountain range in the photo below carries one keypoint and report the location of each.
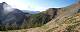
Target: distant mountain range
(31, 12)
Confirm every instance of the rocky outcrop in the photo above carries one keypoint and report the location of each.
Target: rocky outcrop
(52, 12)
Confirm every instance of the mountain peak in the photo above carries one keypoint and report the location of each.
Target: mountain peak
(4, 3)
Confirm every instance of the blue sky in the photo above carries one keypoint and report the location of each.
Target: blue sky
(38, 5)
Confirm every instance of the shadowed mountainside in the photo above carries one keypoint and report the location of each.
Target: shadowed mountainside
(10, 17)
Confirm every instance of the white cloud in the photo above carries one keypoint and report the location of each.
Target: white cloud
(23, 6)
(17, 4)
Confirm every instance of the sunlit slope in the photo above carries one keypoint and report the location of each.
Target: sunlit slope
(67, 24)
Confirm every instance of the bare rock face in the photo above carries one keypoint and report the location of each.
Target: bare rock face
(53, 12)
(79, 11)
